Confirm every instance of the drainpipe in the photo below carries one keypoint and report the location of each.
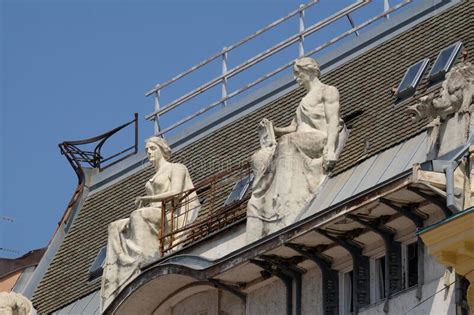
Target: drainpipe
(449, 172)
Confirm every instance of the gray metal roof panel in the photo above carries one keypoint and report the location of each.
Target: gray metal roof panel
(378, 168)
(367, 174)
(354, 180)
(403, 156)
(330, 190)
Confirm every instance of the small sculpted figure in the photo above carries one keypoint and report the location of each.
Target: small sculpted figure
(449, 113)
(135, 240)
(288, 172)
(456, 96)
(12, 303)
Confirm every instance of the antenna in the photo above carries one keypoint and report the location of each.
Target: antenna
(8, 250)
(7, 219)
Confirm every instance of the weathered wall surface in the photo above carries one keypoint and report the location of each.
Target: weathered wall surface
(407, 303)
(7, 282)
(312, 292)
(209, 302)
(268, 299)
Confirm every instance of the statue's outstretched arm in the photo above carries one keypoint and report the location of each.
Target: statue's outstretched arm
(280, 131)
(331, 111)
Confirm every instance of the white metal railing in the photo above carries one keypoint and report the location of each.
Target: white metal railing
(226, 74)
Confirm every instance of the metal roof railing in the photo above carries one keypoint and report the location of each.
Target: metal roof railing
(226, 74)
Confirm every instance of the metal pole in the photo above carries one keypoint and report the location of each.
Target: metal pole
(386, 7)
(157, 108)
(224, 78)
(301, 30)
(351, 21)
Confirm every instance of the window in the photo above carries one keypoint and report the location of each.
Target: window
(346, 301)
(239, 190)
(443, 62)
(410, 269)
(379, 277)
(97, 266)
(411, 78)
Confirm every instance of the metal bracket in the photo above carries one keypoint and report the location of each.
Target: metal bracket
(330, 285)
(434, 200)
(287, 271)
(361, 269)
(405, 211)
(393, 254)
(233, 289)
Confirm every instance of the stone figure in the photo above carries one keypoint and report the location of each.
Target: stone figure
(288, 172)
(135, 240)
(12, 303)
(449, 113)
(456, 95)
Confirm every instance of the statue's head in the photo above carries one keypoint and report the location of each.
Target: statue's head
(156, 148)
(305, 69)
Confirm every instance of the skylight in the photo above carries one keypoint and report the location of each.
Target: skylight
(444, 61)
(239, 190)
(411, 78)
(98, 265)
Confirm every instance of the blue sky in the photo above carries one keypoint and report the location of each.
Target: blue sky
(74, 69)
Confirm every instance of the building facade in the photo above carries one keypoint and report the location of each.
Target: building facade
(362, 245)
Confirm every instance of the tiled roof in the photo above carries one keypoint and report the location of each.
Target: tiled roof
(364, 84)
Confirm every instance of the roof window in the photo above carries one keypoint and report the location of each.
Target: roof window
(411, 78)
(98, 265)
(444, 61)
(239, 190)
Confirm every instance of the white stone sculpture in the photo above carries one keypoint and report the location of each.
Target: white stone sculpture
(456, 95)
(135, 240)
(287, 173)
(449, 114)
(12, 303)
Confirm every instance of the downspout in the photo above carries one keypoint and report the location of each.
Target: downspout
(449, 172)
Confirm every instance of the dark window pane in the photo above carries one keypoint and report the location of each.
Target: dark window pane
(411, 78)
(380, 269)
(412, 262)
(444, 61)
(239, 190)
(98, 264)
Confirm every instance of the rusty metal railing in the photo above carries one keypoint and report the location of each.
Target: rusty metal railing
(214, 213)
(297, 38)
(77, 157)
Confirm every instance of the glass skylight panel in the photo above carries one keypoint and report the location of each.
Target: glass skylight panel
(444, 61)
(411, 78)
(98, 264)
(239, 190)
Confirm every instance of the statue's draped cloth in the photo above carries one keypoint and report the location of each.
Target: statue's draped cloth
(124, 254)
(287, 174)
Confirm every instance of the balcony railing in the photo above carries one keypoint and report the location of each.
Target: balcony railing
(214, 212)
(226, 74)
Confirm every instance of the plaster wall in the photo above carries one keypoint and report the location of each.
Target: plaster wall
(405, 302)
(221, 245)
(268, 299)
(205, 303)
(312, 292)
(8, 282)
(208, 302)
(433, 270)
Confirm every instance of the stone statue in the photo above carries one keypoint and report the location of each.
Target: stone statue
(135, 240)
(449, 113)
(456, 95)
(287, 173)
(12, 303)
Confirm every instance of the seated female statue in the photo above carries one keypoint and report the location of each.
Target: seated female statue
(134, 240)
